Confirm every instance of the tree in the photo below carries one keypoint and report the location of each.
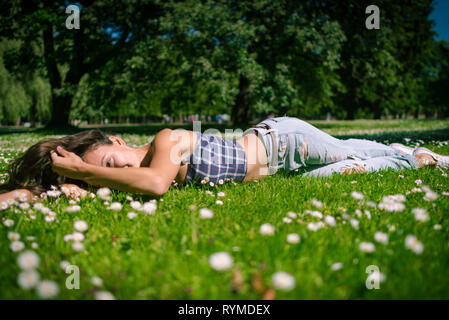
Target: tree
(108, 29)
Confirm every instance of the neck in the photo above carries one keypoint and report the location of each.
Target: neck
(144, 154)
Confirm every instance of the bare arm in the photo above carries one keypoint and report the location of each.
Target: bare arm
(154, 180)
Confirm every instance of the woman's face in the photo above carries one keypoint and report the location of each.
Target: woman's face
(115, 155)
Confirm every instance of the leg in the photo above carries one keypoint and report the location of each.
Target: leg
(370, 165)
(315, 147)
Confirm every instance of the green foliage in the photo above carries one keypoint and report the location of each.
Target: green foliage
(246, 58)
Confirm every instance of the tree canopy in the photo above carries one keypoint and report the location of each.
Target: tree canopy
(144, 59)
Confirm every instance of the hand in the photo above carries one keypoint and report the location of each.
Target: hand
(72, 190)
(67, 164)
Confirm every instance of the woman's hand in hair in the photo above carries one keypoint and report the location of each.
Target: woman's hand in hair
(67, 164)
(72, 190)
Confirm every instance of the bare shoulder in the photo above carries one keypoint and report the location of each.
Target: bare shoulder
(173, 136)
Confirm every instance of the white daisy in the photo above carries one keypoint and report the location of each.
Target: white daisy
(221, 261)
(77, 236)
(74, 208)
(312, 226)
(412, 243)
(336, 266)
(221, 194)
(96, 281)
(357, 195)
(291, 215)
(286, 220)
(317, 203)
(115, 206)
(293, 238)
(283, 281)
(68, 237)
(24, 205)
(8, 223)
(104, 295)
(381, 237)
(80, 225)
(131, 215)
(54, 193)
(136, 205)
(219, 202)
(50, 218)
(267, 229)
(367, 247)
(149, 207)
(392, 203)
(206, 213)
(104, 193)
(77, 246)
(330, 220)
(3, 205)
(354, 223)
(13, 236)
(47, 289)
(28, 279)
(367, 214)
(315, 214)
(420, 214)
(16, 246)
(28, 260)
(64, 265)
(430, 196)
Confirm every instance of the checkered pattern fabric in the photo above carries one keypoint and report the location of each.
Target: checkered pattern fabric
(214, 159)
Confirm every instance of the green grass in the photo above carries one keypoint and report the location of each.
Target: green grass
(166, 255)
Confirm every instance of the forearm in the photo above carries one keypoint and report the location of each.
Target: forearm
(136, 180)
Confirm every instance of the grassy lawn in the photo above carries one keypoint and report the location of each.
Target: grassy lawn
(165, 255)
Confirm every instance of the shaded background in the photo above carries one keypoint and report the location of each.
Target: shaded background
(221, 61)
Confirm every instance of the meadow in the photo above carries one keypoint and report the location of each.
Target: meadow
(381, 235)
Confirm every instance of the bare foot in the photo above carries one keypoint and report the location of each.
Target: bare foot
(425, 160)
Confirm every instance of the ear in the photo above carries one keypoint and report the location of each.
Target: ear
(117, 140)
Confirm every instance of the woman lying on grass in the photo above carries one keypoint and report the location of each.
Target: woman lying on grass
(182, 157)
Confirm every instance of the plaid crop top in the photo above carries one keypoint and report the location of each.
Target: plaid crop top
(214, 159)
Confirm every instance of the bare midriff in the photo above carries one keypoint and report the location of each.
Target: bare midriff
(256, 156)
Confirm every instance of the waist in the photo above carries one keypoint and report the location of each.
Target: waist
(216, 160)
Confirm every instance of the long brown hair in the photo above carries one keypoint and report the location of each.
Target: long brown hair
(33, 169)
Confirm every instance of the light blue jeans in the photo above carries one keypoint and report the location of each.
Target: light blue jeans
(292, 143)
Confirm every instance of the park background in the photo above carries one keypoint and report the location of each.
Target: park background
(135, 67)
(227, 61)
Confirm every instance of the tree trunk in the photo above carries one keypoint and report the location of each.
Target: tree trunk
(241, 107)
(351, 113)
(61, 110)
(377, 112)
(33, 111)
